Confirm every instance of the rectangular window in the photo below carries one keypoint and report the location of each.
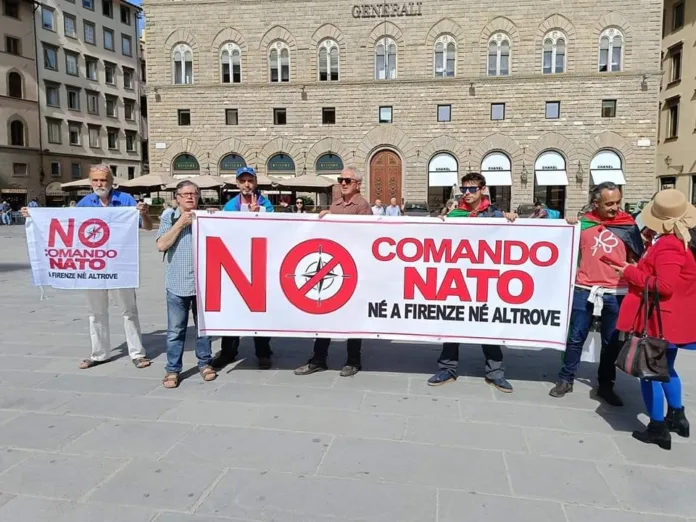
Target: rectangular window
(184, 117)
(385, 114)
(667, 182)
(608, 108)
(129, 109)
(444, 113)
(553, 110)
(48, 18)
(91, 67)
(110, 73)
(11, 8)
(54, 134)
(88, 4)
(678, 16)
(231, 117)
(92, 102)
(328, 115)
(75, 132)
(111, 103)
(114, 169)
(94, 139)
(130, 141)
(53, 94)
(13, 45)
(19, 169)
(126, 49)
(112, 137)
(280, 117)
(128, 79)
(73, 99)
(131, 172)
(71, 64)
(108, 8)
(673, 119)
(50, 57)
(90, 32)
(55, 169)
(70, 25)
(693, 190)
(497, 111)
(675, 58)
(108, 39)
(125, 15)
(75, 171)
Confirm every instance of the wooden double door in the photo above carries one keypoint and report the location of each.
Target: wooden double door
(385, 177)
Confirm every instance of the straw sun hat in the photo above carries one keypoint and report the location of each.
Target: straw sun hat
(670, 213)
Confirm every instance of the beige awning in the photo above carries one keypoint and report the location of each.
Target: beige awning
(86, 183)
(149, 181)
(203, 182)
(306, 182)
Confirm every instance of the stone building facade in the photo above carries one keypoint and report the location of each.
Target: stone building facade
(19, 110)
(544, 97)
(676, 149)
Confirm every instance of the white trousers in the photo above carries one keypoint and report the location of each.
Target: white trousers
(98, 304)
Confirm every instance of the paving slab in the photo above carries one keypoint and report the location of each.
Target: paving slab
(410, 405)
(32, 509)
(42, 431)
(590, 514)
(455, 506)
(285, 497)
(117, 406)
(465, 434)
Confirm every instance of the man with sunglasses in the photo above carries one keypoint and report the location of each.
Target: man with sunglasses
(350, 203)
(249, 199)
(473, 203)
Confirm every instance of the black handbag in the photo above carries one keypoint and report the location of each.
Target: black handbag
(643, 356)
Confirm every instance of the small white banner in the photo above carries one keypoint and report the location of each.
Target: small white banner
(463, 280)
(84, 248)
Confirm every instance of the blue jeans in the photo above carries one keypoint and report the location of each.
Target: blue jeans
(580, 323)
(177, 322)
(6, 218)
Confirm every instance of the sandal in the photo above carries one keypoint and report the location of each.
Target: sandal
(141, 362)
(171, 380)
(91, 363)
(208, 374)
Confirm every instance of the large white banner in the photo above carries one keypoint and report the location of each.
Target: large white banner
(467, 280)
(84, 248)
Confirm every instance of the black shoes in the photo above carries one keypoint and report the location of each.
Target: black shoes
(676, 421)
(607, 393)
(347, 371)
(561, 389)
(657, 433)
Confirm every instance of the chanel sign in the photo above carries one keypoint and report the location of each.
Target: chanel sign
(385, 10)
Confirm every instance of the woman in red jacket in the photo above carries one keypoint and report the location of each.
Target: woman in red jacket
(671, 263)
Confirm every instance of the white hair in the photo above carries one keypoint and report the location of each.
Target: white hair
(102, 167)
(356, 173)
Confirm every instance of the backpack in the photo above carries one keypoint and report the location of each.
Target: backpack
(552, 214)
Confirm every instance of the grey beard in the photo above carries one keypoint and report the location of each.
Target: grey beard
(101, 192)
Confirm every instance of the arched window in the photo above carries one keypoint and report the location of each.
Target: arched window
(499, 55)
(185, 166)
(554, 53)
(445, 56)
(17, 133)
(385, 59)
(328, 61)
(279, 62)
(231, 63)
(611, 50)
(14, 85)
(182, 64)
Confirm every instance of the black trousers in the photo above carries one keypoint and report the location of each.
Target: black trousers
(230, 347)
(321, 352)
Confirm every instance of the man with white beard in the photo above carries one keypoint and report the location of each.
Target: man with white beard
(104, 195)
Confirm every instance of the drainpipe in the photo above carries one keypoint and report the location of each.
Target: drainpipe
(42, 174)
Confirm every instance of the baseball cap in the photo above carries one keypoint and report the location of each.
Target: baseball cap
(246, 170)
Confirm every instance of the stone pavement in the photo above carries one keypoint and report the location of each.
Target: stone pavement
(111, 445)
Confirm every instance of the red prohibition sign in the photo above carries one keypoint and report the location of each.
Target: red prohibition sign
(316, 275)
(93, 233)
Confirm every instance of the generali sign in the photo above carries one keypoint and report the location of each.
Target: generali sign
(387, 9)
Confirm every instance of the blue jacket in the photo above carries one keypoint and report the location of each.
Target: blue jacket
(235, 204)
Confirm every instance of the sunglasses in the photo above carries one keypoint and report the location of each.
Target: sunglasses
(470, 190)
(299, 202)
(347, 181)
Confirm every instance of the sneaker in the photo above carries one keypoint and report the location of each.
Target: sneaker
(265, 363)
(561, 389)
(442, 377)
(501, 383)
(309, 369)
(609, 395)
(349, 370)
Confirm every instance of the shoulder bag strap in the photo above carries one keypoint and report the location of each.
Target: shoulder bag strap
(656, 303)
(644, 306)
(172, 221)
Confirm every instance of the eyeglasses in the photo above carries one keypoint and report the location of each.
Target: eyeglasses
(299, 202)
(470, 190)
(347, 181)
(188, 194)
